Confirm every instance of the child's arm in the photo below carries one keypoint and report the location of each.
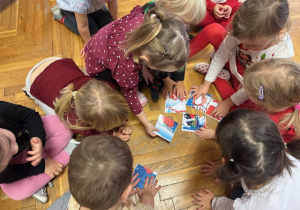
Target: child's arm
(168, 86)
(149, 191)
(223, 108)
(83, 26)
(148, 125)
(113, 8)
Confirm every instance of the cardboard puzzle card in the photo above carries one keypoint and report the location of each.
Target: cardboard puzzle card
(205, 105)
(192, 122)
(175, 105)
(166, 126)
(143, 174)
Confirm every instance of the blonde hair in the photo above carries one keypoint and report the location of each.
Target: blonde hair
(162, 38)
(260, 18)
(189, 11)
(280, 80)
(97, 105)
(100, 170)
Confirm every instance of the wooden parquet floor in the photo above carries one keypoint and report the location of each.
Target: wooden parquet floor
(28, 34)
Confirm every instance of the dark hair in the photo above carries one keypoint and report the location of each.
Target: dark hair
(252, 147)
(100, 170)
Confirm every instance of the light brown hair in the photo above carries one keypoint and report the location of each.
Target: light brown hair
(280, 81)
(100, 170)
(97, 105)
(260, 18)
(162, 37)
(188, 11)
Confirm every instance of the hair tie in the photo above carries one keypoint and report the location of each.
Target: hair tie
(74, 94)
(297, 107)
(285, 145)
(153, 15)
(261, 93)
(231, 160)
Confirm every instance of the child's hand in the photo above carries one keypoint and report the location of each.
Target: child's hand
(209, 169)
(148, 77)
(82, 52)
(124, 132)
(52, 168)
(179, 89)
(199, 90)
(218, 11)
(37, 150)
(203, 198)
(134, 182)
(168, 87)
(150, 128)
(223, 108)
(227, 11)
(149, 191)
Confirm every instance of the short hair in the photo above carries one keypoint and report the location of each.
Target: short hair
(260, 18)
(280, 80)
(252, 146)
(97, 105)
(100, 170)
(189, 11)
(162, 37)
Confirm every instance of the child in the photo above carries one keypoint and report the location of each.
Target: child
(154, 40)
(32, 151)
(258, 32)
(100, 173)
(85, 17)
(220, 11)
(273, 85)
(255, 155)
(84, 104)
(193, 13)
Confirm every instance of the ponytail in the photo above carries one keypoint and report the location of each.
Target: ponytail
(146, 32)
(64, 103)
(229, 172)
(291, 119)
(162, 38)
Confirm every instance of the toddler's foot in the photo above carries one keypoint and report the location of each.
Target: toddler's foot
(41, 195)
(206, 133)
(203, 68)
(142, 98)
(57, 14)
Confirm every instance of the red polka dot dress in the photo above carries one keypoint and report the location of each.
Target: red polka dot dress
(105, 51)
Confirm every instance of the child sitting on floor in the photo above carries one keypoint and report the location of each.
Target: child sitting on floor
(255, 155)
(258, 32)
(100, 177)
(33, 150)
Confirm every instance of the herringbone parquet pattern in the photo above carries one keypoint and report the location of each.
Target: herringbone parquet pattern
(28, 34)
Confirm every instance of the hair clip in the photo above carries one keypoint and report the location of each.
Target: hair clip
(261, 93)
(285, 145)
(74, 94)
(231, 160)
(297, 107)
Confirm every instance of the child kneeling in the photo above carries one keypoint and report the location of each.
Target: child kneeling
(100, 176)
